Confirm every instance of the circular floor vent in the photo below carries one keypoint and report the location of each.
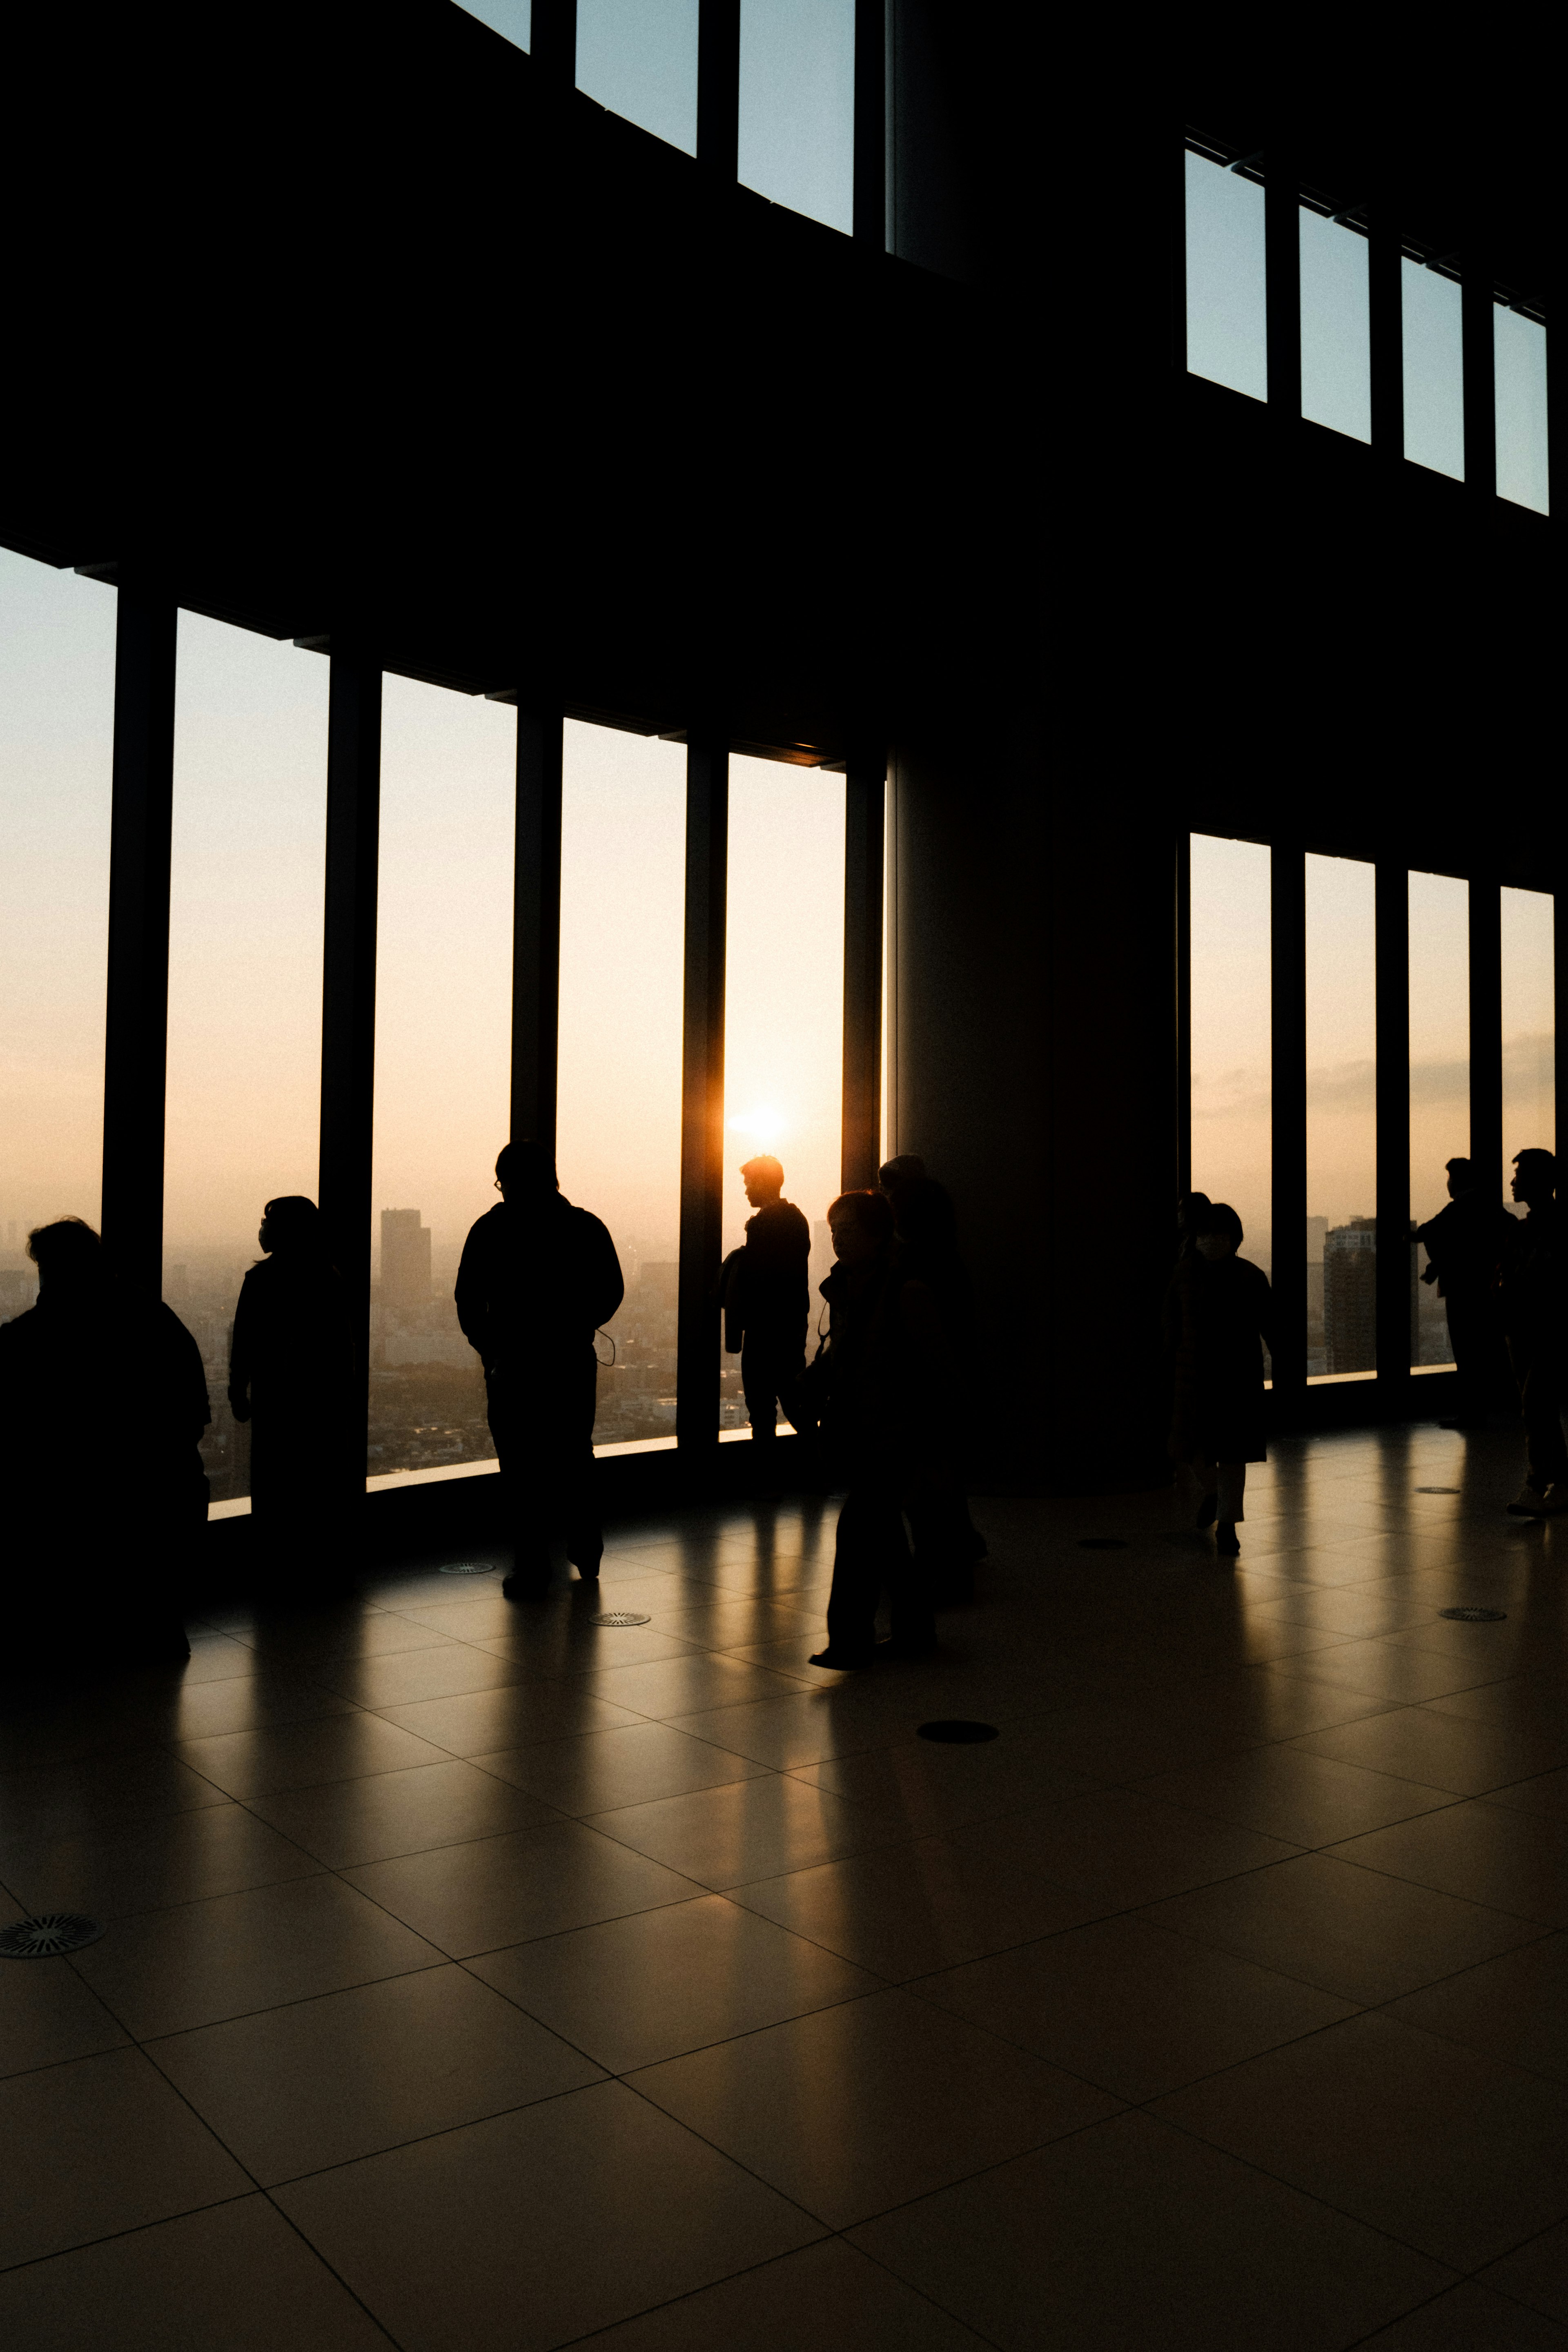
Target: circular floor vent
(1102, 1543)
(469, 1568)
(619, 1617)
(42, 1938)
(955, 1733)
(1475, 1616)
(1439, 1490)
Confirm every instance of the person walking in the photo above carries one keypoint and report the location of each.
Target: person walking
(536, 1279)
(1464, 1243)
(767, 1301)
(1219, 1308)
(880, 1424)
(290, 1376)
(1533, 1290)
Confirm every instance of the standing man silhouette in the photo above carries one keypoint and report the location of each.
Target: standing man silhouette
(537, 1278)
(767, 1301)
(1534, 1291)
(1465, 1244)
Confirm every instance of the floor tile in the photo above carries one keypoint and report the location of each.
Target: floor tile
(1471, 2318)
(541, 2225)
(481, 1723)
(683, 1685)
(1132, 2007)
(345, 1823)
(300, 1755)
(235, 2278)
(1515, 2008)
(96, 2146)
(925, 1787)
(809, 1725)
(398, 1679)
(1536, 2274)
(1307, 1799)
(147, 1866)
(1442, 1751)
(1127, 2236)
(746, 1828)
(502, 1890)
(64, 1799)
(826, 2296)
(599, 1770)
(318, 2082)
(899, 2098)
(1489, 1853)
(311, 1643)
(1122, 1848)
(1356, 1933)
(244, 1703)
(1545, 1792)
(633, 1991)
(165, 1971)
(47, 2015)
(1441, 2147)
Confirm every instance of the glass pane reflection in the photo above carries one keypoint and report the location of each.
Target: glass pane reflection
(1336, 350)
(638, 57)
(1433, 370)
(1232, 1045)
(797, 106)
(511, 18)
(1342, 1118)
(1227, 322)
(1519, 360)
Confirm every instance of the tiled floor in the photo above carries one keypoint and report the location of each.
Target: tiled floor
(475, 1977)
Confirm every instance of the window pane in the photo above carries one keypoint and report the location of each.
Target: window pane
(1336, 351)
(246, 905)
(1519, 356)
(1433, 370)
(1342, 1118)
(783, 1004)
(1439, 1077)
(443, 1057)
(1529, 1026)
(797, 105)
(1226, 328)
(623, 889)
(513, 18)
(638, 57)
(1232, 1055)
(56, 767)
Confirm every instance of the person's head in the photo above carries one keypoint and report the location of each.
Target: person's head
(1191, 1210)
(69, 1256)
(1461, 1178)
(1220, 1230)
(763, 1178)
(525, 1172)
(1534, 1178)
(896, 1175)
(926, 1220)
(861, 1224)
(291, 1227)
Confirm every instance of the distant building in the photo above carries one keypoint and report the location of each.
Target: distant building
(404, 1258)
(1349, 1296)
(657, 1284)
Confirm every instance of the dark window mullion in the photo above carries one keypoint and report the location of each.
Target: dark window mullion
(864, 854)
(1288, 928)
(536, 928)
(1394, 1249)
(702, 1090)
(1486, 1037)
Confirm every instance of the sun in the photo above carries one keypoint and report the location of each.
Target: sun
(762, 1125)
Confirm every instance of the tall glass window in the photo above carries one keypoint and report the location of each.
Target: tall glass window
(56, 768)
(1232, 1047)
(442, 1058)
(1529, 1026)
(1518, 357)
(242, 1122)
(1439, 1079)
(515, 18)
(1433, 370)
(797, 106)
(623, 882)
(784, 1004)
(1342, 1118)
(638, 57)
(1227, 339)
(1336, 350)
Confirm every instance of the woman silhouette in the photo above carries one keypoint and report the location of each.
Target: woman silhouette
(290, 1375)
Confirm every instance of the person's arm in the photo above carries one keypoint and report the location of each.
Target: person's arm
(606, 1282)
(242, 1353)
(1264, 1309)
(471, 1294)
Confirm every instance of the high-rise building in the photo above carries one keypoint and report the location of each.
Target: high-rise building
(404, 1258)
(1349, 1296)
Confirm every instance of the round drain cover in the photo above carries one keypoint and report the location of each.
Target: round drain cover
(1102, 1543)
(1475, 1616)
(619, 1617)
(470, 1568)
(1439, 1490)
(42, 1938)
(957, 1734)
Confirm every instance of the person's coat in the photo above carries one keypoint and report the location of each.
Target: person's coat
(1218, 1314)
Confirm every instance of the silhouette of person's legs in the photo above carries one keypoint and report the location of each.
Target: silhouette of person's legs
(872, 1553)
(545, 1443)
(1536, 1369)
(772, 1377)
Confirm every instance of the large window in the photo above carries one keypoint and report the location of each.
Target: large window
(622, 892)
(1342, 1118)
(1518, 353)
(513, 18)
(783, 1002)
(638, 57)
(1440, 1076)
(1232, 1051)
(1227, 334)
(1336, 372)
(57, 760)
(797, 105)
(242, 1119)
(442, 1058)
(1433, 370)
(1529, 1024)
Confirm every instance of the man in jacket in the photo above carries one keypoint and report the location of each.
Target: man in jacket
(1464, 1245)
(537, 1278)
(1534, 1293)
(767, 1301)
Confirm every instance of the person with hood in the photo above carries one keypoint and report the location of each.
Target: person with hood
(290, 1376)
(1219, 1313)
(537, 1278)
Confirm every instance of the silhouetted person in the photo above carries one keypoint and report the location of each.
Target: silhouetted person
(879, 1423)
(946, 1538)
(102, 1405)
(537, 1278)
(767, 1300)
(1533, 1290)
(1465, 1244)
(1219, 1308)
(1192, 1208)
(290, 1375)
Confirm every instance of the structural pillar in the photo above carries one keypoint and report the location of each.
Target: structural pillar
(702, 1091)
(864, 856)
(1395, 1254)
(1486, 1038)
(536, 929)
(1288, 914)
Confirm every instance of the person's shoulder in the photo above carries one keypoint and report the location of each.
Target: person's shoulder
(490, 1226)
(1254, 1273)
(583, 1222)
